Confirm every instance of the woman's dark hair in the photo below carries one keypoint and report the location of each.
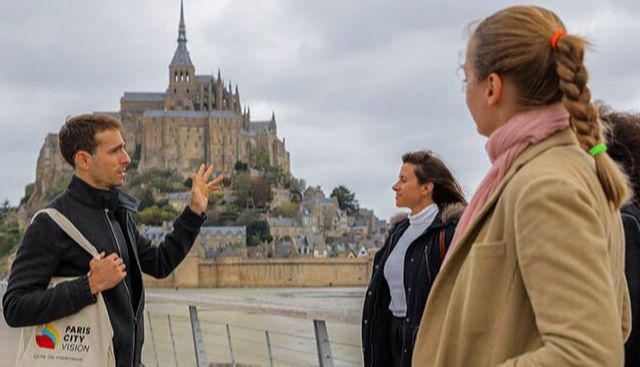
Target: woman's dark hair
(622, 132)
(429, 168)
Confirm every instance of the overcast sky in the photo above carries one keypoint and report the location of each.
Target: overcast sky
(354, 83)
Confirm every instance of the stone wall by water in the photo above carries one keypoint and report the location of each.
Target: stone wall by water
(295, 272)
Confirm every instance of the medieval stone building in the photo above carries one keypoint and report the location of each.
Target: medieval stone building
(197, 119)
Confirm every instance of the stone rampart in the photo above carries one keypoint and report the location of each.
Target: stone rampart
(239, 273)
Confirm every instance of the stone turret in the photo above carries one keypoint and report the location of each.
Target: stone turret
(219, 92)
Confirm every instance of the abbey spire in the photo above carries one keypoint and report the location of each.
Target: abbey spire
(182, 30)
(181, 56)
(182, 73)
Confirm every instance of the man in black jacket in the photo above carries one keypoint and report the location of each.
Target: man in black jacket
(94, 146)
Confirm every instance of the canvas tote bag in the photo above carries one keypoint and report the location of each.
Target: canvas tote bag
(81, 339)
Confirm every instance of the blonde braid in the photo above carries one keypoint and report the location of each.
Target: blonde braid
(585, 121)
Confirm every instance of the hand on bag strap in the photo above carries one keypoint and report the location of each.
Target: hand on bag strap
(70, 230)
(110, 269)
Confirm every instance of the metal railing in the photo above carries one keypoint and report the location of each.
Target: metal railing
(3, 289)
(194, 339)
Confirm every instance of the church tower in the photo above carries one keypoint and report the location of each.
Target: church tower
(182, 78)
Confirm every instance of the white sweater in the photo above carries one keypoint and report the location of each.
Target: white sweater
(394, 267)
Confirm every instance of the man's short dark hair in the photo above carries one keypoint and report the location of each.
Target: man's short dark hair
(79, 133)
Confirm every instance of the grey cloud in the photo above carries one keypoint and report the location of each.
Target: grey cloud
(354, 83)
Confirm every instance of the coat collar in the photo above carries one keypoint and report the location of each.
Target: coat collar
(562, 138)
(102, 199)
(449, 214)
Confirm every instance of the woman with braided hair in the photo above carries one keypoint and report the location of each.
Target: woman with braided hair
(534, 275)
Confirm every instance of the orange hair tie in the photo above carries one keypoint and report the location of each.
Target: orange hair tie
(556, 36)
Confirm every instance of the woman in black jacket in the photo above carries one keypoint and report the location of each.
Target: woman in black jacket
(405, 267)
(623, 141)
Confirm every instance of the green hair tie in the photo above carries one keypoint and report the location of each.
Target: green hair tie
(600, 148)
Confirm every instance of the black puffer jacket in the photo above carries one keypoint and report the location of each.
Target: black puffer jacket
(422, 263)
(631, 220)
(46, 251)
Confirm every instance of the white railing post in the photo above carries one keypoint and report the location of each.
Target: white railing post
(322, 343)
(198, 340)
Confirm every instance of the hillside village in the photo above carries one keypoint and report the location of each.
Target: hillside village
(317, 228)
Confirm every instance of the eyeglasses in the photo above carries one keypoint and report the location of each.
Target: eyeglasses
(462, 77)
(462, 56)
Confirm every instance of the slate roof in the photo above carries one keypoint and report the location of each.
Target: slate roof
(143, 97)
(223, 231)
(191, 114)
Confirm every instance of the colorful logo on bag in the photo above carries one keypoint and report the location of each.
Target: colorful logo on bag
(48, 337)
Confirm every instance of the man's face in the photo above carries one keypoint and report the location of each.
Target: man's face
(110, 161)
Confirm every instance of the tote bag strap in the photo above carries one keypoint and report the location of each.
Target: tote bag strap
(70, 230)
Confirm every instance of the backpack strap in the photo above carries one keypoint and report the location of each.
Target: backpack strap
(69, 229)
(443, 248)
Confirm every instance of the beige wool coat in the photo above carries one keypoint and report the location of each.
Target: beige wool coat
(538, 278)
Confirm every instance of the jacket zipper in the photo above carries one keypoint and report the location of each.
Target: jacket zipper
(126, 288)
(426, 256)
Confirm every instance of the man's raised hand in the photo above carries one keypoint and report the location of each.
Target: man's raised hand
(201, 188)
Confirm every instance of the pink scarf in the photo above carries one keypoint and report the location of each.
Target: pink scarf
(505, 145)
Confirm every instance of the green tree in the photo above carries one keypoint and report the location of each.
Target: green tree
(254, 192)
(10, 233)
(135, 158)
(228, 217)
(258, 230)
(240, 166)
(5, 209)
(247, 216)
(164, 180)
(296, 187)
(155, 215)
(287, 210)
(260, 159)
(146, 200)
(346, 199)
(241, 186)
(10, 237)
(188, 182)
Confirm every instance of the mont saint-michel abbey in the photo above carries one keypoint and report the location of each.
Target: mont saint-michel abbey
(197, 119)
